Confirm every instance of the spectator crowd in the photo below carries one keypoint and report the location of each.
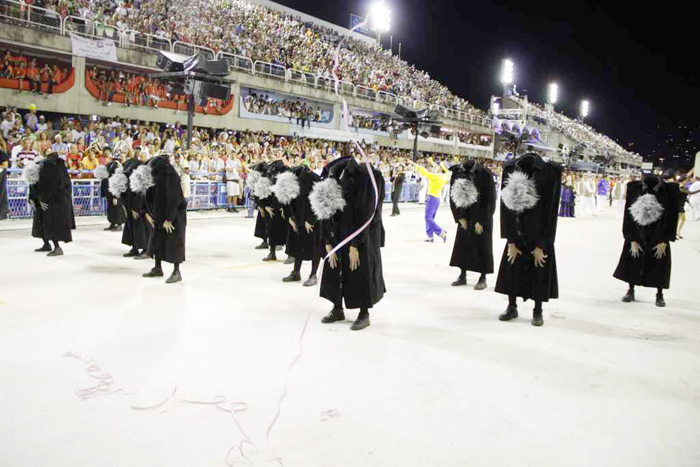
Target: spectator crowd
(294, 109)
(31, 73)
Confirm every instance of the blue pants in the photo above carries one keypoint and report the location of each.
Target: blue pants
(431, 206)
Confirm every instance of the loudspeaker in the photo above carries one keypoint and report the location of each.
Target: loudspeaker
(170, 63)
(199, 64)
(203, 90)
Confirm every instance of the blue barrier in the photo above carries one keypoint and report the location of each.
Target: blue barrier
(205, 195)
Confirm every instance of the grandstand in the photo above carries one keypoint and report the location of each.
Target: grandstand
(270, 48)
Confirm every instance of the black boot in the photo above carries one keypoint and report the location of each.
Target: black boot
(481, 285)
(335, 315)
(131, 254)
(629, 296)
(262, 246)
(292, 277)
(155, 272)
(58, 252)
(361, 322)
(461, 280)
(271, 257)
(289, 260)
(537, 317)
(174, 277)
(46, 247)
(660, 302)
(111, 227)
(510, 313)
(311, 281)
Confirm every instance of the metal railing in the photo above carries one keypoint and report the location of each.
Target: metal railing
(269, 69)
(204, 195)
(301, 77)
(135, 40)
(236, 62)
(22, 14)
(185, 48)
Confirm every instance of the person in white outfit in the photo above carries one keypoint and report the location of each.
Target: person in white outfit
(586, 191)
(619, 191)
(233, 188)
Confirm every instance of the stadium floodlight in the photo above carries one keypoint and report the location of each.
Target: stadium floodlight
(553, 93)
(507, 72)
(380, 17)
(585, 108)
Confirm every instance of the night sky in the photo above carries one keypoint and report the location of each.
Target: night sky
(633, 61)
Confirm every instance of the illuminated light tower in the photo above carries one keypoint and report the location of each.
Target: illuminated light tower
(552, 97)
(585, 109)
(507, 76)
(380, 19)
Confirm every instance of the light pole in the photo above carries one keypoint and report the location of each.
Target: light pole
(552, 98)
(585, 109)
(380, 19)
(507, 76)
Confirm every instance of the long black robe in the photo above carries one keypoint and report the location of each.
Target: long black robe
(302, 244)
(115, 213)
(534, 227)
(276, 223)
(260, 222)
(53, 188)
(646, 270)
(364, 287)
(136, 231)
(474, 252)
(166, 202)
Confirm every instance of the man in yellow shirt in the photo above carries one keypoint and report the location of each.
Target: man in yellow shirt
(436, 182)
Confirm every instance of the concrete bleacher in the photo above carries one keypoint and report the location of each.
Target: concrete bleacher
(78, 100)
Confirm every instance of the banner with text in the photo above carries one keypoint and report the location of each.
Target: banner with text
(103, 49)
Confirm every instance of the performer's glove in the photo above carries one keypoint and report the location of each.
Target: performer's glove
(540, 257)
(293, 224)
(114, 202)
(660, 250)
(478, 228)
(513, 253)
(635, 250)
(309, 227)
(44, 206)
(134, 214)
(270, 211)
(464, 224)
(354, 258)
(168, 226)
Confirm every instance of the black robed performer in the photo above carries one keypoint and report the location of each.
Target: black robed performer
(115, 210)
(137, 230)
(50, 195)
(398, 179)
(344, 202)
(529, 213)
(167, 214)
(473, 202)
(649, 225)
(292, 189)
(271, 209)
(260, 222)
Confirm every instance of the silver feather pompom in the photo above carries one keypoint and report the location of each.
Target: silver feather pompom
(520, 192)
(286, 188)
(101, 172)
(646, 210)
(30, 173)
(252, 180)
(326, 199)
(263, 188)
(118, 183)
(141, 180)
(464, 193)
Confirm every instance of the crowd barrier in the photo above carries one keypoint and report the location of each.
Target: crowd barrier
(204, 195)
(23, 14)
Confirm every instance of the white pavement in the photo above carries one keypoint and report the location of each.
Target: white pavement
(436, 380)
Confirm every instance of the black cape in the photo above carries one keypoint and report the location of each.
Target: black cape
(166, 202)
(136, 231)
(364, 287)
(276, 224)
(53, 188)
(116, 214)
(474, 252)
(302, 244)
(646, 270)
(534, 227)
(260, 222)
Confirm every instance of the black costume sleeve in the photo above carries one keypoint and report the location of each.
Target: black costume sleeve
(361, 204)
(508, 226)
(173, 196)
(550, 210)
(672, 205)
(630, 229)
(485, 206)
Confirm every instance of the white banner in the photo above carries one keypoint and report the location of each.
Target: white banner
(103, 49)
